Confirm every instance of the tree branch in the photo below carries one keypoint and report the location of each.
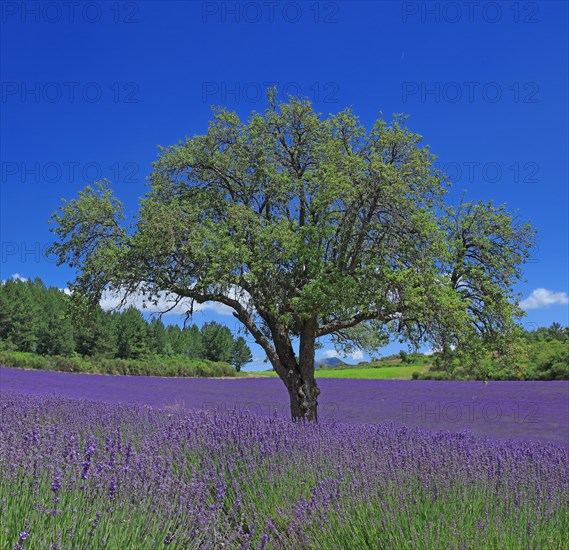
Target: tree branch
(241, 313)
(342, 324)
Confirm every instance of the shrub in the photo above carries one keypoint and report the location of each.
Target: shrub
(150, 366)
(65, 364)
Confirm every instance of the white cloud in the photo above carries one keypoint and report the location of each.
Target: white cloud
(15, 277)
(329, 353)
(542, 298)
(111, 300)
(431, 351)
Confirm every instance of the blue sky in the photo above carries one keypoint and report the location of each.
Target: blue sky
(90, 91)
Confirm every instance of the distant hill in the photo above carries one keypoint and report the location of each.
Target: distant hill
(330, 362)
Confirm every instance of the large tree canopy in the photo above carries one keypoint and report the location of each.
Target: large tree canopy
(306, 227)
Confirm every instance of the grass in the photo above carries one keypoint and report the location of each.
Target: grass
(371, 373)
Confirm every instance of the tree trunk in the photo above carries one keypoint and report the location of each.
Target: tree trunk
(303, 399)
(302, 388)
(297, 373)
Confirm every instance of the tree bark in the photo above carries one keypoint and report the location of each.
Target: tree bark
(303, 399)
(302, 388)
(296, 373)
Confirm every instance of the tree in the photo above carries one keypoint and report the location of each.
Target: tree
(20, 314)
(94, 330)
(194, 344)
(306, 227)
(157, 336)
(174, 338)
(55, 335)
(217, 342)
(132, 334)
(558, 332)
(240, 353)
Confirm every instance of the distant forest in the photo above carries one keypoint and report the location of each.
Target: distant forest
(40, 320)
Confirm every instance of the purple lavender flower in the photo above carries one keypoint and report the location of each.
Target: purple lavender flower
(56, 485)
(215, 481)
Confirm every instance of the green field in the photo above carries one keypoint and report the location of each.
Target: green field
(379, 373)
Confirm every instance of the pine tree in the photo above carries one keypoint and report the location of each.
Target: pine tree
(173, 333)
(217, 341)
(240, 353)
(157, 336)
(94, 330)
(20, 315)
(132, 334)
(55, 332)
(192, 342)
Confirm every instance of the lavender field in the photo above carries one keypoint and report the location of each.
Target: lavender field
(519, 410)
(93, 461)
(84, 474)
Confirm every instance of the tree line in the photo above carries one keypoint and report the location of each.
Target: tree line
(542, 354)
(42, 320)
